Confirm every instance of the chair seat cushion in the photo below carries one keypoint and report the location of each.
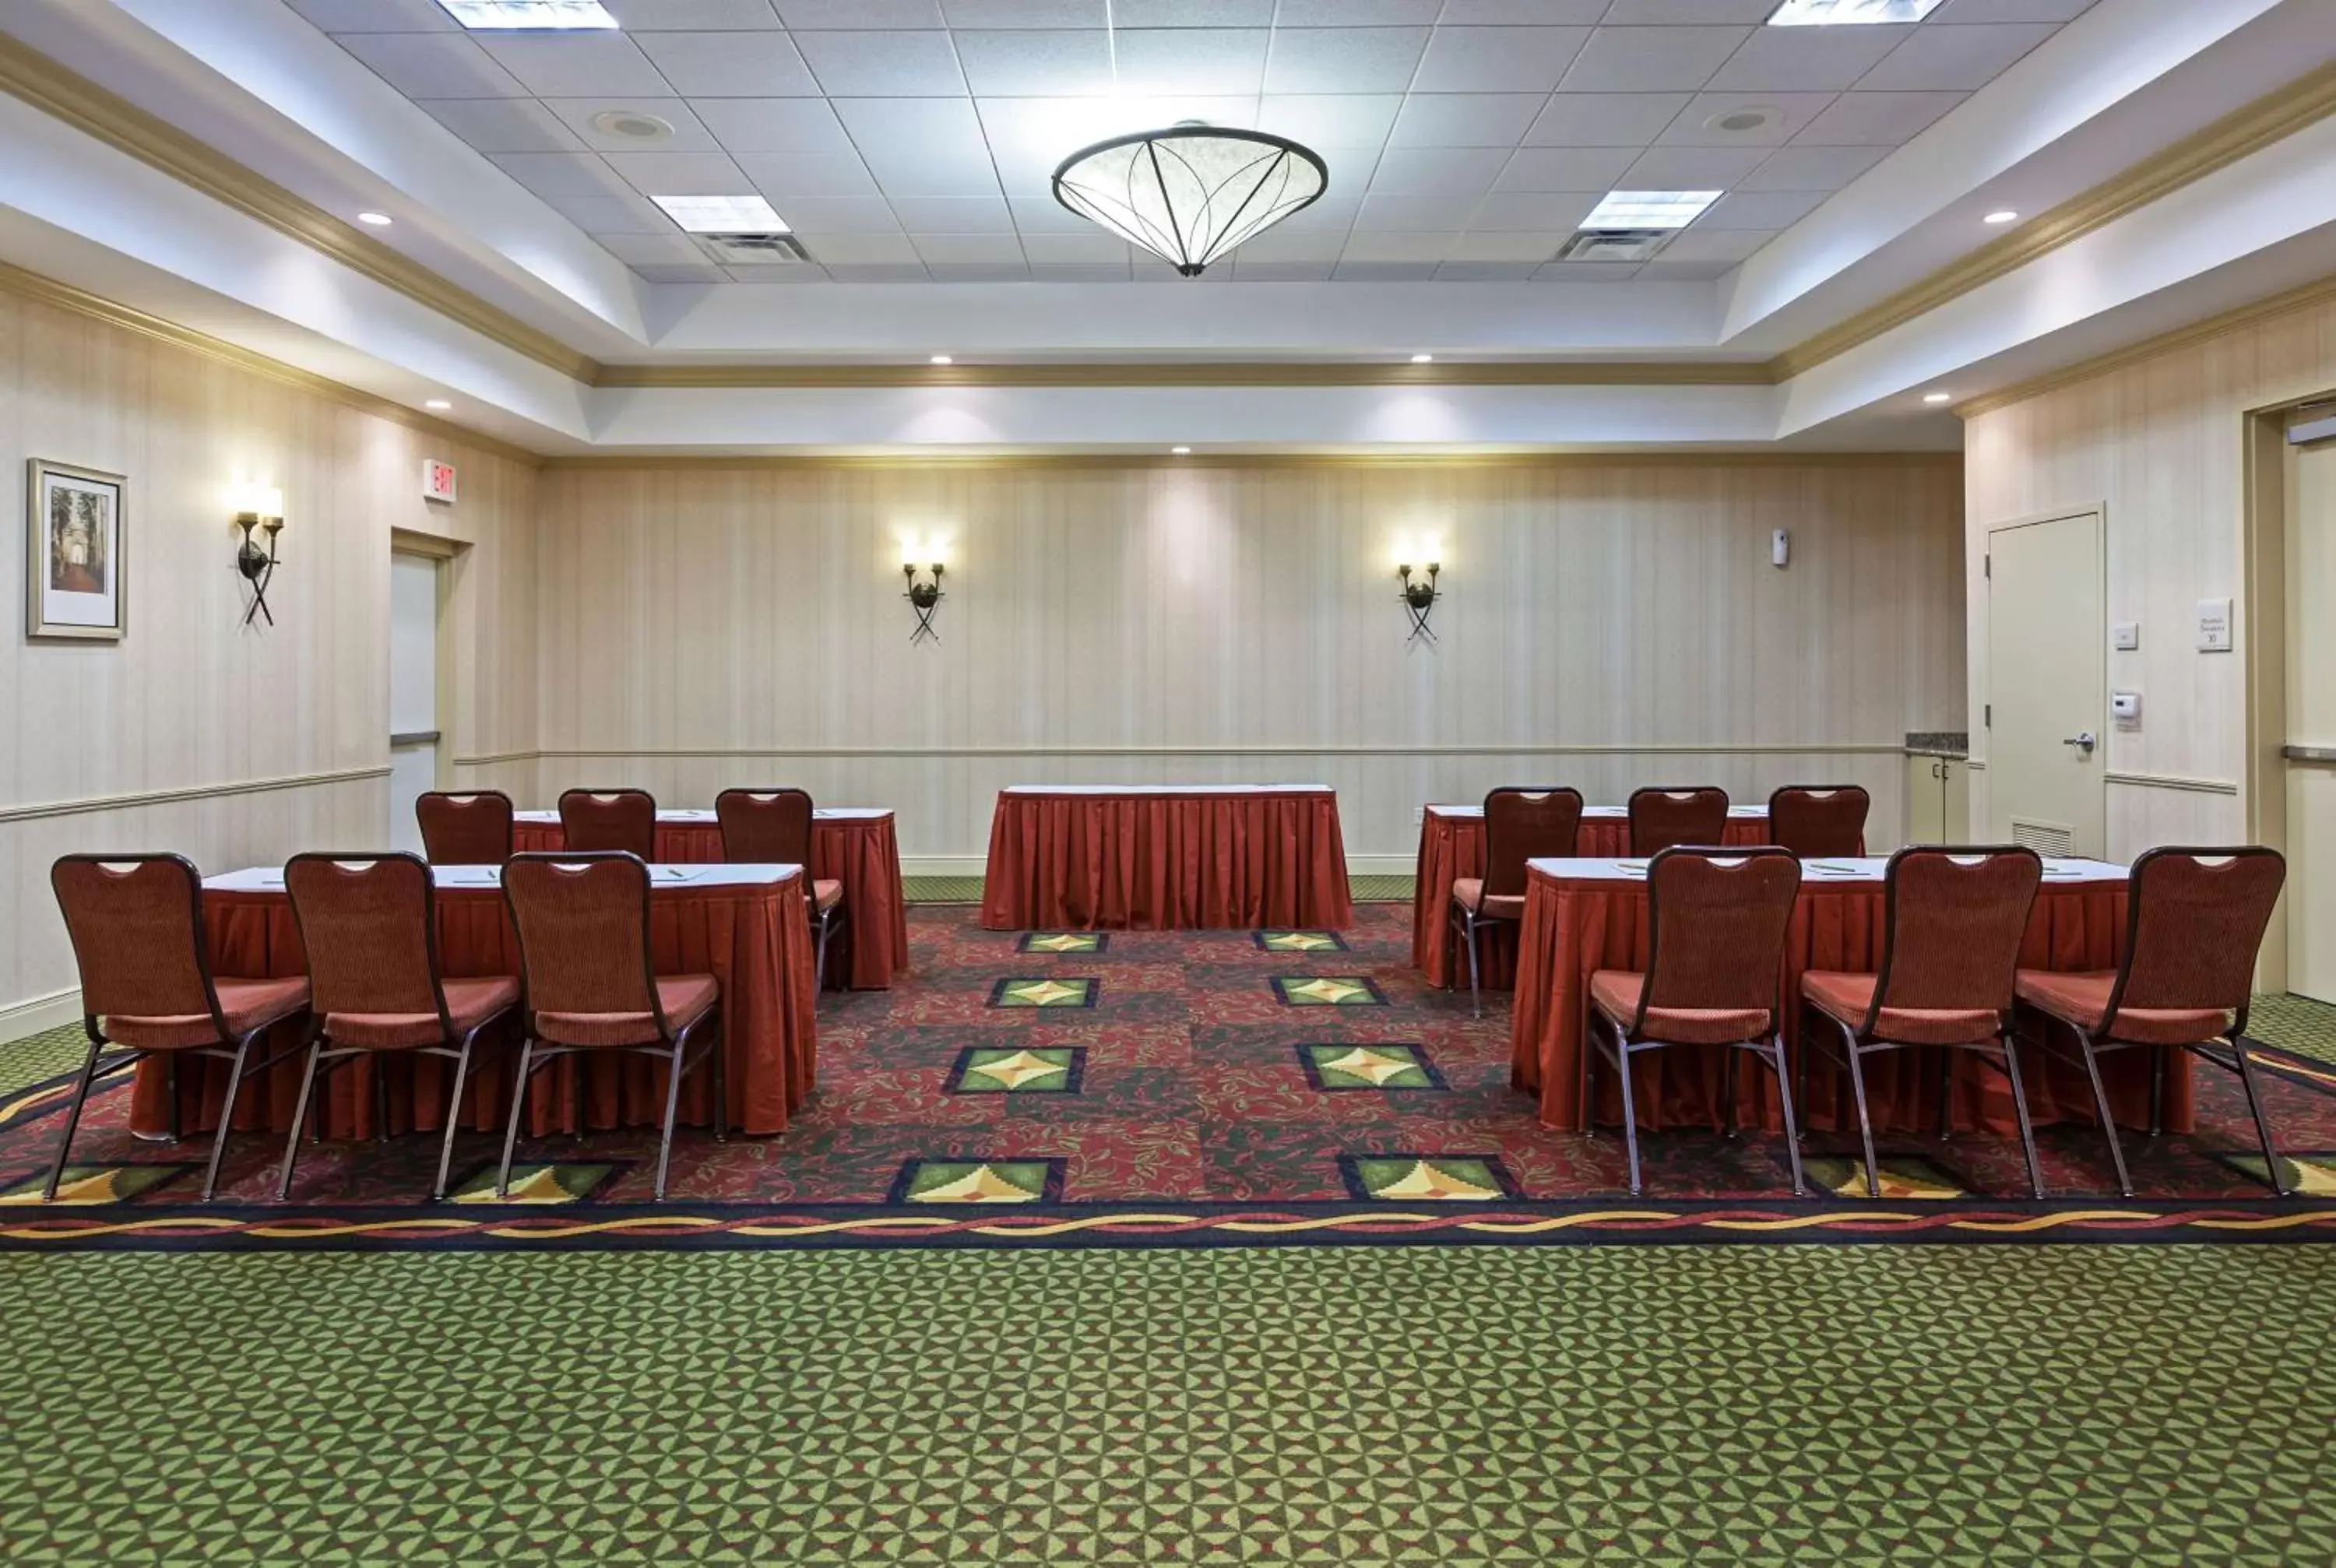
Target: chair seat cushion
(248, 1004)
(685, 998)
(826, 894)
(1615, 993)
(2083, 999)
(469, 1003)
(1468, 892)
(1849, 998)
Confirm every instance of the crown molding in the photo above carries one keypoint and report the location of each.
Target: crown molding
(36, 79)
(1217, 373)
(1639, 457)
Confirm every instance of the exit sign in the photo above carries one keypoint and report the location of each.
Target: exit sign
(437, 480)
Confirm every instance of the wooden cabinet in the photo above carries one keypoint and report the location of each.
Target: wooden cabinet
(1938, 800)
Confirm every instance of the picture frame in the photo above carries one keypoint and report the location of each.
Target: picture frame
(76, 534)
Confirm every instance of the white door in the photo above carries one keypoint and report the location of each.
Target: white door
(2311, 721)
(413, 692)
(2048, 686)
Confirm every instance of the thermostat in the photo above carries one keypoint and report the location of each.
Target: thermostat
(2125, 706)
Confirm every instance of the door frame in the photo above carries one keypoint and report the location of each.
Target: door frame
(2099, 512)
(441, 554)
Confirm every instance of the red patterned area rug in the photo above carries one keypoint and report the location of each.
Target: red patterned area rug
(1181, 1089)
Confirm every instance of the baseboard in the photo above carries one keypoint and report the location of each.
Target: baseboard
(975, 866)
(37, 1014)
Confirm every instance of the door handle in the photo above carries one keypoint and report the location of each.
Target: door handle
(2084, 740)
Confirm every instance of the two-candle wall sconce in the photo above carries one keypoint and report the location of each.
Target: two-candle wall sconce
(1419, 593)
(924, 596)
(258, 507)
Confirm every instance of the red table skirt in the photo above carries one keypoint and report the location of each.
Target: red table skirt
(1166, 861)
(863, 854)
(755, 940)
(1451, 848)
(1574, 928)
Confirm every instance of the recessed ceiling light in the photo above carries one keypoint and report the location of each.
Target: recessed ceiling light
(1938, 397)
(1649, 208)
(1181, 451)
(438, 404)
(529, 15)
(377, 219)
(633, 125)
(1423, 359)
(943, 359)
(1848, 13)
(2002, 216)
(723, 214)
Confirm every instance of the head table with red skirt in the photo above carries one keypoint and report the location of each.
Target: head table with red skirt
(1452, 846)
(1166, 857)
(748, 926)
(1591, 914)
(854, 845)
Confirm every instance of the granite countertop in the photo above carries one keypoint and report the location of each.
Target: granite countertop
(1950, 743)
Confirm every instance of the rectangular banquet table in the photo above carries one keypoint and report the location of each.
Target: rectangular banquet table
(854, 845)
(1166, 857)
(748, 926)
(1452, 846)
(1586, 915)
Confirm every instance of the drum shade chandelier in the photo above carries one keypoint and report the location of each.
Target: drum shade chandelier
(1192, 192)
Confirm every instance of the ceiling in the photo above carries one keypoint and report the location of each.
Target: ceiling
(912, 140)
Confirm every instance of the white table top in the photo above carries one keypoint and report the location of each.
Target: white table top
(1821, 868)
(270, 879)
(1604, 813)
(693, 815)
(1220, 789)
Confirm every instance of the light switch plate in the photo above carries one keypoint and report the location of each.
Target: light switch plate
(2214, 626)
(2125, 635)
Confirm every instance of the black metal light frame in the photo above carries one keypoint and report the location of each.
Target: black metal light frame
(1183, 244)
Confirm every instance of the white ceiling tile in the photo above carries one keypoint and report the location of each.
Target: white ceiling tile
(886, 65)
(1529, 13)
(1344, 60)
(920, 146)
(1322, 119)
(576, 64)
(1498, 59)
(1080, 274)
(1651, 59)
(1514, 245)
(1281, 245)
(956, 215)
(1045, 215)
(1189, 59)
(1486, 271)
(1598, 169)
(1416, 209)
(1385, 271)
(1678, 13)
(1691, 168)
(1696, 127)
(1760, 210)
(1035, 64)
(680, 173)
(1701, 244)
(1587, 272)
(703, 272)
(1027, 13)
(1821, 168)
(433, 65)
(1357, 13)
(801, 125)
(1549, 211)
(2010, 11)
(1805, 59)
(1093, 249)
(1661, 271)
(978, 272)
(730, 64)
(691, 15)
(777, 273)
(1955, 59)
(688, 135)
(839, 215)
(1469, 169)
(880, 274)
(1876, 119)
(862, 249)
(782, 176)
(968, 250)
(641, 249)
(562, 173)
(859, 13)
(377, 15)
(1604, 119)
(503, 124)
(1363, 246)
(1279, 271)
(627, 214)
(1028, 137)
(1331, 212)
(1466, 118)
(1192, 13)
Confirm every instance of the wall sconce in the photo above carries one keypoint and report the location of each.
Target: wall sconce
(1419, 594)
(922, 597)
(261, 507)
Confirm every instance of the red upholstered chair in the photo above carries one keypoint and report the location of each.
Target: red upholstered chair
(616, 821)
(583, 923)
(1953, 923)
(1661, 818)
(1714, 959)
(136, 924)
(2196, 921)
(1520, 824)
(369, 926)
(474, 829)
(774, 827)
(1813, 819)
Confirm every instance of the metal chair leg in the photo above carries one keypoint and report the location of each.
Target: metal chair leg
(1475, 966)
(227, 1113)
(374, 1066)
(1728, 1088)
(2157, 1090)
(2109, 1117)
(819, 960)
(672, 1108)
(453, 1116)
(1946, 1093)
(1792, 1126)
(72, 1116)
(721, 1079)
(175, 1112)
(1630, 1109)
(518, 1104)
(1865, 1115)
(2262, 1123)
(2020, 1109)
(299, 1117)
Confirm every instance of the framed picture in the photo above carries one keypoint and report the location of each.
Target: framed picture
(74, 531)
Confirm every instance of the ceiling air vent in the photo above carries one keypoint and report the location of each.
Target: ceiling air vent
(752, 250)
(1614, 244)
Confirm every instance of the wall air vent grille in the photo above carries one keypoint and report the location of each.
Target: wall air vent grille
(2056, 840)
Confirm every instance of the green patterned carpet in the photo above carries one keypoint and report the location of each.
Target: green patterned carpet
(1788, 1406)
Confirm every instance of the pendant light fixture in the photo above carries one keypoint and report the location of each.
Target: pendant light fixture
(1192, 192)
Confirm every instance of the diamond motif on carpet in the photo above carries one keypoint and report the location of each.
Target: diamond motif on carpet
(1023, 1070)
(1329, 991)
(1903, 1177)
(1044, 993)
(1371, 1066)
(978, 1181)
(95, 1183)
(1427, 1178)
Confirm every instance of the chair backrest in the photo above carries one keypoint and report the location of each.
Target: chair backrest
(1719, 920)
(1662, 817)
(1819, 818)
(469, 829)
(2197, 922)
(583, 924)
(1524, 824)
(1954, 922)
(368, 924)
(765, 827)
(593, 820)
(136, 924)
